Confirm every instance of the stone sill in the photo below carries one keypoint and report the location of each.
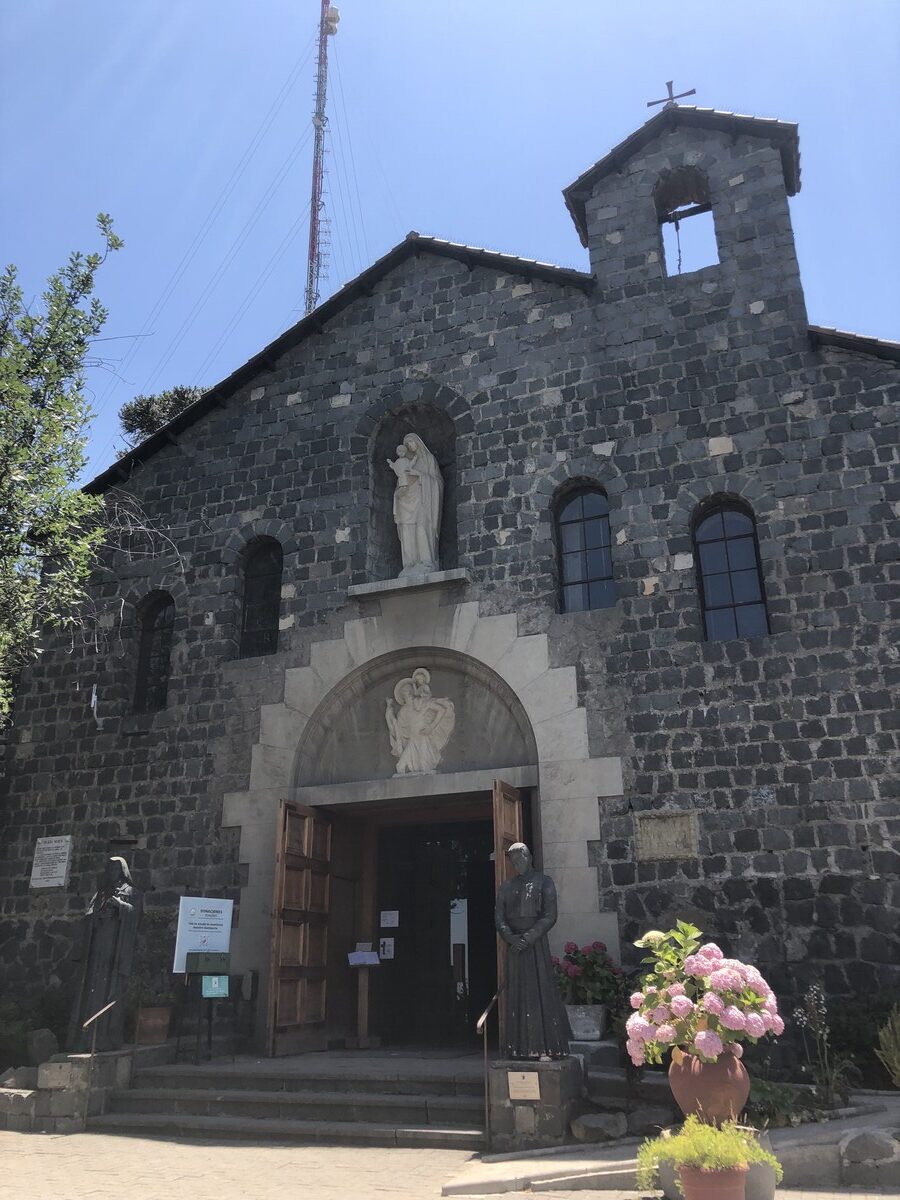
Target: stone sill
(459, 576)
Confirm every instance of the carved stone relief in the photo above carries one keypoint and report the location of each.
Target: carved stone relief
(420, 727)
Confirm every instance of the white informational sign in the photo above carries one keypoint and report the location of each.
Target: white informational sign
(390, 918)
(386, 948)
(203, 924)
(362, 958)
(524, 1085)
(52, 856)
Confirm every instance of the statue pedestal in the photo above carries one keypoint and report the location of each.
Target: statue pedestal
(531, 1103)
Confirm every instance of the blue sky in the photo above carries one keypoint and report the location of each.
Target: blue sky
(190, 124)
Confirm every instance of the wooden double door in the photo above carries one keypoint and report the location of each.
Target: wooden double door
(333, 879)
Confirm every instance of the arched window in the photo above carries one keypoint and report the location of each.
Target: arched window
(726, 553)
(262, 598)
(157, 618)
(585, 558)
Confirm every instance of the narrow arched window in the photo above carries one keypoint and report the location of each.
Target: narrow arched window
(262, 598)
(157, 618)
(585, 557)
(729, 572)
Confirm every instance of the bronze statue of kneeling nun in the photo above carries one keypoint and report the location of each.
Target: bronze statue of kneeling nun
(537, 1025)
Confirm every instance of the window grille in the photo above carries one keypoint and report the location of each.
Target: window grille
(262, 598)
(585, 552)
(154, 653)
(729, 572)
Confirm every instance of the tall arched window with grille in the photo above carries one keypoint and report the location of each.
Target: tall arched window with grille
(729, 572)
(261, 605)
(157, 618)
(585, 553)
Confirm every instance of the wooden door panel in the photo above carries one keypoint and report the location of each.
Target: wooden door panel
(302, 893)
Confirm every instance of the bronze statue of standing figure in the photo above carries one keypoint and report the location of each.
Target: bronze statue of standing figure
(537, 1025)
(106, 954)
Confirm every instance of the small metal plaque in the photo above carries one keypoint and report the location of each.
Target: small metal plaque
(207, 962)
(524, 1085)
(666, 835)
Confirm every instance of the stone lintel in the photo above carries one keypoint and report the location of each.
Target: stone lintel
(413, 787)
(380, 587)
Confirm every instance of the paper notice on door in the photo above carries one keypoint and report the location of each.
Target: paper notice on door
(390, 918)
(386, 948)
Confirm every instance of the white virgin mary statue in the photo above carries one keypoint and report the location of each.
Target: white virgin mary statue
(417, 506)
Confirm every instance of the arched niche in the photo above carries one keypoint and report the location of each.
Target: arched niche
(346, 739)
(435, 427)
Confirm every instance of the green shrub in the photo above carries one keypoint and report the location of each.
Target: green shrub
(774, 1105)
(705, 1147)
(889, 1045)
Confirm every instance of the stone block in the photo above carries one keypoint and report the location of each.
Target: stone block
(42, 1045)
(530, 1123)
(649, 1119)
(600, 1127)
(58, 1075)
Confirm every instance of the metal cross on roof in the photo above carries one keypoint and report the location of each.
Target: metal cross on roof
(671, 101)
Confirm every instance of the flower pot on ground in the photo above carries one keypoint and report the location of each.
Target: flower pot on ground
(711, 1162)
(700, 1005)
(713, 1091)
(151, 1024)
(587, 1021)
(759, 1180)
(589, 983)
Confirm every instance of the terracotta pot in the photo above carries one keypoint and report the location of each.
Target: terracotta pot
(715, 1092)
(151, 1027)
(760, 1179)
(713, 1185)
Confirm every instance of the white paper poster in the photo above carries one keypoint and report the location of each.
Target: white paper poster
(204, 923)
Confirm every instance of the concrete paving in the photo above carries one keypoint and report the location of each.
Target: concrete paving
(99, 1167)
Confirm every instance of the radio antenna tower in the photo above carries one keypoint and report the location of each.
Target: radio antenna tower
(328, 23)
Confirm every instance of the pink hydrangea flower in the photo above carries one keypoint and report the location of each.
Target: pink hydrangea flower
(708, 1044)
(777, 1025)
(676, 989)
(598, 945)
(665, 1033)
(636, 1000)
(698, 966)
(570, 947)
(733, 1018)
(770, 1004)
(639, 1029)
(755, 1025)
(734, 1048)
(726, 979)
(681, 1005)
(661, 1014)
(712, 1004)
(635, 1052)
(710, 950)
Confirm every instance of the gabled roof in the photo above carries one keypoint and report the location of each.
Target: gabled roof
(413, 244)
(782, 134)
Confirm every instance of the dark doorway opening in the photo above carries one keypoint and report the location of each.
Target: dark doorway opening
(439, 880)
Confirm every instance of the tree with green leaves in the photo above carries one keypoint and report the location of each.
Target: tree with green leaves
(50, 530)
(143, 415)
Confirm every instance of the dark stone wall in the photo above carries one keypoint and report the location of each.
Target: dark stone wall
(663, 390)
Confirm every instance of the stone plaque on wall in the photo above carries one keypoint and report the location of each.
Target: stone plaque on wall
(666, 835)
(52, 856)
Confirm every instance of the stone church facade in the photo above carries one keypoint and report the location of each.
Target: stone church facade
(675, 755)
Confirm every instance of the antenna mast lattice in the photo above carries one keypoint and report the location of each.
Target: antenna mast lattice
(328, 22)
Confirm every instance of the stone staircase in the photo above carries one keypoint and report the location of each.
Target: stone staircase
(341, 1097)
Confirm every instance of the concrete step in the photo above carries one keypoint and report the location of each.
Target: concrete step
(302, 1132)
(223, 1079)
(367, 1107)
(613, 1090)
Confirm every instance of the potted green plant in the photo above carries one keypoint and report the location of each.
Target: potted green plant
(151, 991)
(711, 1161)
(589, 983)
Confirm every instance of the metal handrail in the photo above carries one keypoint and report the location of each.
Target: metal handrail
(481, 1029)
(90, 1078)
